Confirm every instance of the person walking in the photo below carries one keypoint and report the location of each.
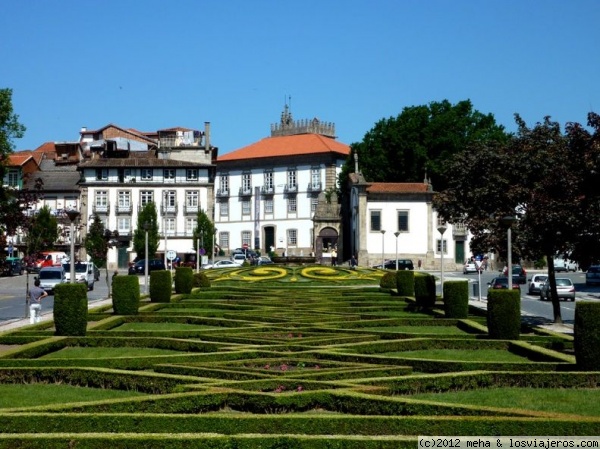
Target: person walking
(334, 257)
(36, 293)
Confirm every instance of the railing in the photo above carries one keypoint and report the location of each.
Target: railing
(187, 209)
(245, 192)
(267, 190)
(314, 187)
(290, 188)
(222, 193)
(101, 208)
(170, 142)
(167, 209)
(459, 230)
(124, 208)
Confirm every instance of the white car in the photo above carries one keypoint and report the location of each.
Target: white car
(536, 282)
(470, 267)
(222, 264)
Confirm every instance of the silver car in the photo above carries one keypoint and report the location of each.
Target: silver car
(564, 288)
(50, 277)
(536, 282)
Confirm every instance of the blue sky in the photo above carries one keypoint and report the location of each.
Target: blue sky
(150, 64)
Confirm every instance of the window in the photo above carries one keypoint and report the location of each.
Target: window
(315, 178)
(292, 179)
(292, 237)
(170, 198)
(13, 177)
(124, 199)
(246, 207)
(101, 201)
(224, 240)
(269, 206)
(170, 226)
(224, 208)
(439, 246)
(247, 183)
(224, 184)
(102, 174)
(146, 174)
(146, 196)
(192, 199)
(192, 174)
(375, 220)
(246, 238)
(403, 220)
(190, 226)
(292, 205)
(269, 181)
(314, 201)
(169, 174)
(124, 225)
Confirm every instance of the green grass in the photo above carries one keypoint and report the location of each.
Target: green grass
(101, 352)
(466, 355)
(441, 330)
(570, 401)
(30, 395)
(162, 327)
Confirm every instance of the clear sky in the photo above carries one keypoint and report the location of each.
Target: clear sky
(155, 64)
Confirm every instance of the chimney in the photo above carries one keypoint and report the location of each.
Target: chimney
(207, 136)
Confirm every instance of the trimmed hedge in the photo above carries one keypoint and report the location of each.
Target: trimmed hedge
(425, 293)
(504, 314)
(587, 335)
(201, 280)
(126, 295)
(456, 299)
(70, 309)
(388, 281)
(184, 280)
(405, 282)
(161, 284)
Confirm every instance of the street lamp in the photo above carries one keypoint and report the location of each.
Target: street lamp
(212, 249)
(382, 248)
(441, 229)
(73, 215)
(397, 233)
(508, 222)
(146, 228)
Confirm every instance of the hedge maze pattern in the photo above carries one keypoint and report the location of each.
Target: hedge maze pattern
(284, 364)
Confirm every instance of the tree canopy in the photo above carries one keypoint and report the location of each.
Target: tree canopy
(42, 231)
(96, 245)
(203, 233)
(545, 178)
(147, 215)
(419, 141)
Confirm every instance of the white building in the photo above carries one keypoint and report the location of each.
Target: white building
(128, 169)
(267, 193)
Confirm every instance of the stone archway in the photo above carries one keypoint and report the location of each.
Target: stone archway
(327, 239)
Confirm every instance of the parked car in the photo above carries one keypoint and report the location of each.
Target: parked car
(140, 266)
(519, 274)
(535, 283)
(403, 264)
(564, 265)
(12, 267)
(564, 288)
(263, 260)
(50, 277)
(84, 273)
(592, 276)
(501, 282)
(470, 267)
(222, 264)
(239, 258)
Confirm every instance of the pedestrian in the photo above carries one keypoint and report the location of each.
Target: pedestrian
(36, 293)
(353, 262)
(419, 263)
(334, 257)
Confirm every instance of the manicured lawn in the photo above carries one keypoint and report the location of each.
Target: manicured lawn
(101, 352)
(441, 330)
(479, 355)
(162, 327)
(29, 395)
(570, 401)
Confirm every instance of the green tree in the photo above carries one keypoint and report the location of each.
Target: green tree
(546, 179)
(204, 231)
(147, 215)
(96, 245)
(42, 232)
(419, 141)
(10, 128)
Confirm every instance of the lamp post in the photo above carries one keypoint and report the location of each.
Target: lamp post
(146, 228)
(212, 249)
(382, 248)
(441, 229)
(508, 222)
(397, 233)
(73, 215)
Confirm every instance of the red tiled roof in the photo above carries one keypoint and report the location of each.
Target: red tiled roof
(19, 158)
(46, 147)
(398, 187)
(283, 146)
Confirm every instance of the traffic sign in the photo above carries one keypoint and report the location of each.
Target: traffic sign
(171, 254)
(245, 246)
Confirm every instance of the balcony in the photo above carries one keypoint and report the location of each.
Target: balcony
(267, 190)
(190, 210)
(245, 191)
(124, 209)
(101, 208)
(290, 188)
(167, 209)
(314, 187)
(222, 193)
(459, 231)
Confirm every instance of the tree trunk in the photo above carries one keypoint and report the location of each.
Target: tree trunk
(553, 294)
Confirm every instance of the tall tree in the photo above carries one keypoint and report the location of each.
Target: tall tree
(96, 245)
(147, 216)
(419, 141)
(204, 231)
(42, 232)
(542, 177)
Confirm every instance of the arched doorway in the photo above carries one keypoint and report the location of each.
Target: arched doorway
(326, 240)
